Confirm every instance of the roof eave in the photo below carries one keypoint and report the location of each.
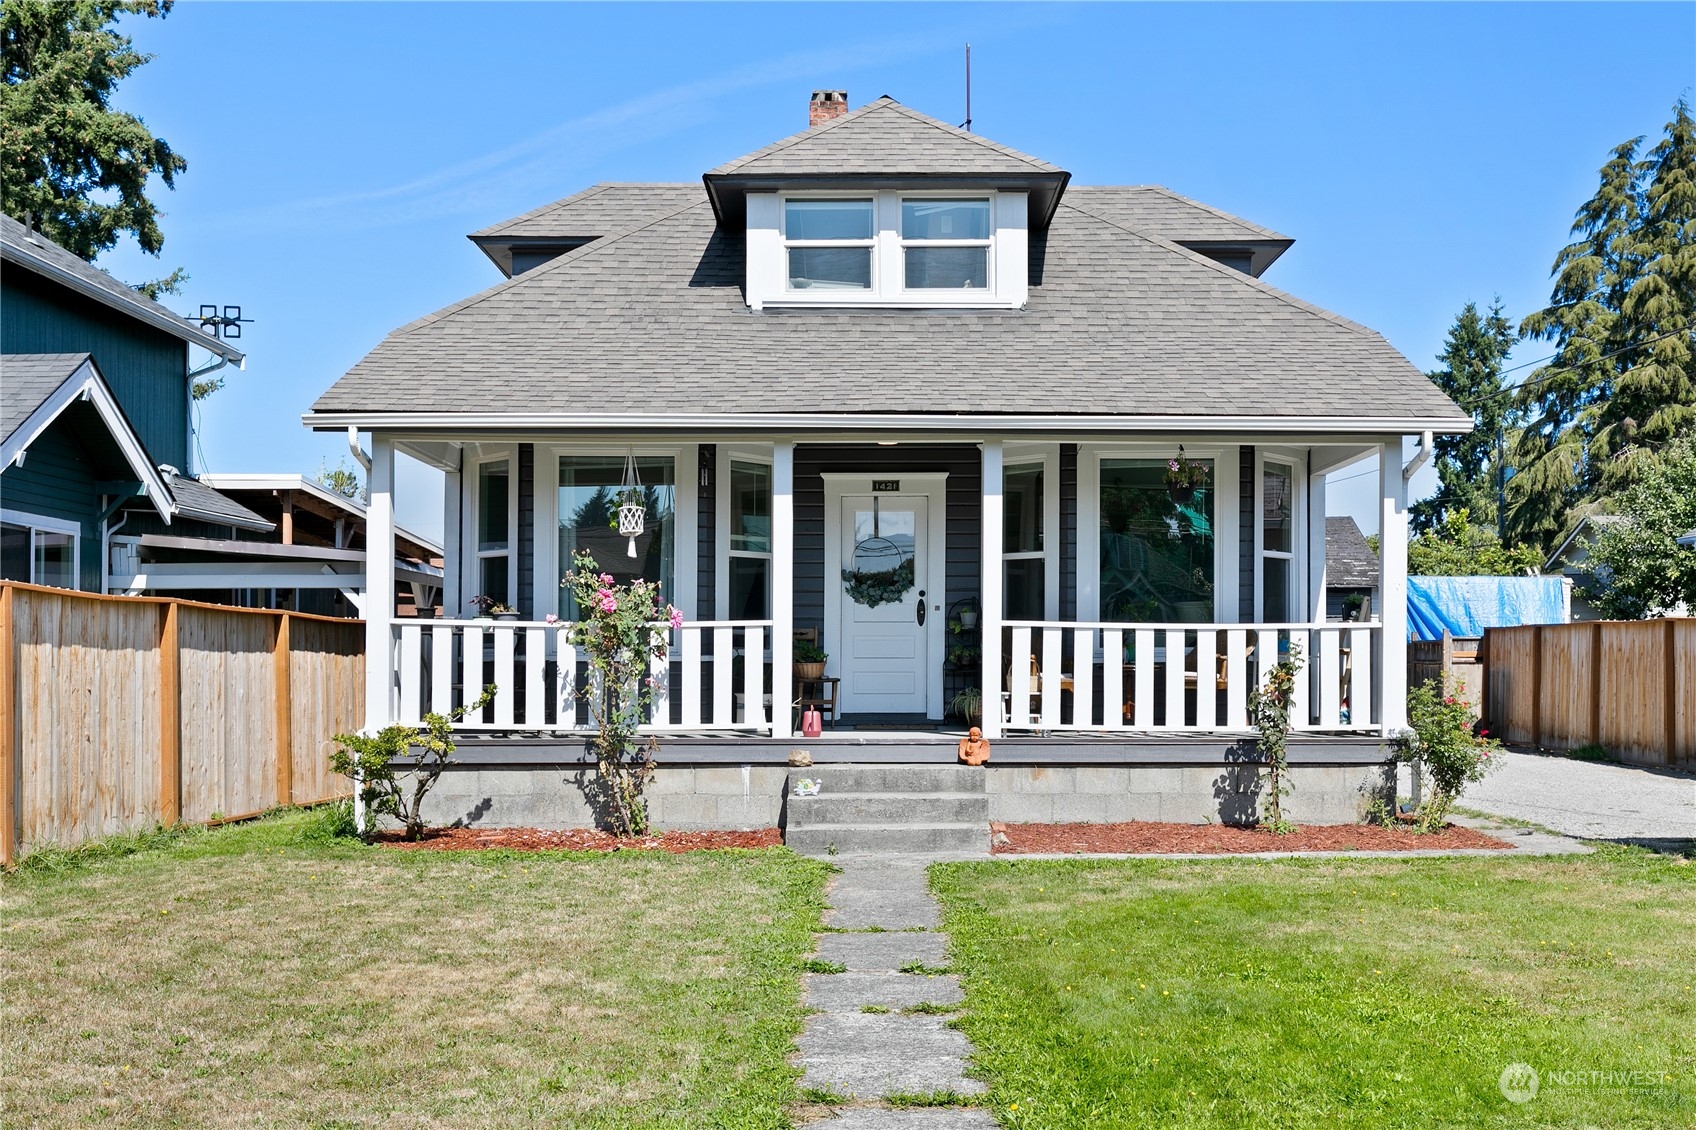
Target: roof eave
(728, 192)
(158, 319)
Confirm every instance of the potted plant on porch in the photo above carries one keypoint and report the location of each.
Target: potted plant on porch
(968, 704)
(489, 608)
(810, 659)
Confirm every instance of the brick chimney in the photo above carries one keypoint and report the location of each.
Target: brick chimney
(826, 106)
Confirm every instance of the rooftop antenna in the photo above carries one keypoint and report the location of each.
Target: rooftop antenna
(968, 126)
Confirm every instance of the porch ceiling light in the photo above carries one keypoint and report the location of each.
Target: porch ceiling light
(887, 442)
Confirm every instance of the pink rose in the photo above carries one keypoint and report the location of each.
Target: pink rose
(609, 603)
(676, 617)
(606, 578)
(550, 619)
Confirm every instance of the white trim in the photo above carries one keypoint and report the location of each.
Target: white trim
(989, 586)
(1227, 469)
(782, 585)
(42, 522)
(472, 578)
(86, 383)
(1392, 589)
(1297, 555)
(923, 425)
(379, 589)
(932, 484)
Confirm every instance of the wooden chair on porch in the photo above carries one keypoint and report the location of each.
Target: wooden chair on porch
(819, 694)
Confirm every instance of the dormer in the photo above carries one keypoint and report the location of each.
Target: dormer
(885, 207)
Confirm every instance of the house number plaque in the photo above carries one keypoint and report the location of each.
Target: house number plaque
(886, 486)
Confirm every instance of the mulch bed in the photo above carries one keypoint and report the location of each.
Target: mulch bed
(1218, 839)
(576, 839)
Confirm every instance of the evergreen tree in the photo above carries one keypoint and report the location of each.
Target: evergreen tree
(1622, 383)
(69, 162)
(1471, 375)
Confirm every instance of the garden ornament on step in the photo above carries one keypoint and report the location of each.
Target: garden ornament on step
(973, 749)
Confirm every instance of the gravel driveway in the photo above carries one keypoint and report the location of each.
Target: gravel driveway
(1590, 799)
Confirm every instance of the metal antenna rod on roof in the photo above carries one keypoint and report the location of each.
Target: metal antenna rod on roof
(968, 126)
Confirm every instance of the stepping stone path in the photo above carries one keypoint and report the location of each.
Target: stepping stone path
(865, 1056)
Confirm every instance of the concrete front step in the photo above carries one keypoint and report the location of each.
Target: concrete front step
(888, 808)
(859, 778)
(850, 839)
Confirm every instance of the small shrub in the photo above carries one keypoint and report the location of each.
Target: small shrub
(330, 822)
(1591, 752)
(1442, 744)
(370, 762)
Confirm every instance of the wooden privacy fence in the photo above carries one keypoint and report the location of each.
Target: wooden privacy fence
(118, 713)
(1447, 658)
(1628, 686)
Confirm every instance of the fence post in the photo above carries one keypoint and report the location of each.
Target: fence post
(1537, 687)
(1485, 707)
(170, 720)
(1595, 723)
(285, 711)
(1669, 665)
(8, 733)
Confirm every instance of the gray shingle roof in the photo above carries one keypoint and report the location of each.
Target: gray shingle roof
(1158, 210)
(35, 252)
(596, 211)
(884, 137)
(1349, 560)
(27, 380)
(197, 500)
(652, 321)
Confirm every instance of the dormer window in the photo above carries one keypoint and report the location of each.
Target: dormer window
(829, 243)
(945, 244)
(916, 247)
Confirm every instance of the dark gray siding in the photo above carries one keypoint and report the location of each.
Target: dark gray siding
(57, 481)
(964, 465)
(147, 368)
(526, 601)
(706, 535)
(1068, 531)
(1245, 536)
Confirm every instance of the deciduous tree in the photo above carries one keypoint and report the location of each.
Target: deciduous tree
(1640, 568)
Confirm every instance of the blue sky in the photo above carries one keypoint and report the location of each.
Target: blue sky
(1421, 155)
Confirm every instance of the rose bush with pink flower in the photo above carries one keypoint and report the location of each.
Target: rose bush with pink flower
(1446, 744)
(622, 629)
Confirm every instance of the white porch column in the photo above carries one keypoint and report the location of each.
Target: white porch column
(782, 585)
(1392, 586)
(1316, 563)
(379, 607)
(990, 587)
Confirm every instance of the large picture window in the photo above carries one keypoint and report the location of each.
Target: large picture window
(588, 504)
(1157, 545)
(1024, 570)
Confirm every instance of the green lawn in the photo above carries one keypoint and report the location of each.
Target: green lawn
(268, 975)
(1369, 993)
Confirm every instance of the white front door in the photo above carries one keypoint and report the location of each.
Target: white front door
(883, 659)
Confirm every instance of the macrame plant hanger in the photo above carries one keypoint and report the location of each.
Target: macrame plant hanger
(632, 513)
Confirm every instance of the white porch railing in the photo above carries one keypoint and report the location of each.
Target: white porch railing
(1182, 677)
(714, 676)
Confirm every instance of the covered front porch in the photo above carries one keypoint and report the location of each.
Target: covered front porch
(1047, 586)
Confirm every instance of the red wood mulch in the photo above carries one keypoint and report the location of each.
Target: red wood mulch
(1219, 839)
(577, 839)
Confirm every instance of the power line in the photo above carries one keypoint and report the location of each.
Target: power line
(1560, 369)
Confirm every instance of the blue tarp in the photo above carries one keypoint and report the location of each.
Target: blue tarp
(1468, 605)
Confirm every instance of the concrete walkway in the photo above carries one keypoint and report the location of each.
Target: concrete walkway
(882, 918)
(1593, 800)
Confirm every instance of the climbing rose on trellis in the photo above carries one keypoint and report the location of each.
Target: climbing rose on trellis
(622, 630)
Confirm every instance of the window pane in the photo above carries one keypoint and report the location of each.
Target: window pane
(750, 507)
(1022, 585)
(830, 268)
(945, 219)
(1022, 510)
(1156, 549)
(14, 553)
(1276, 509)
(588, 520)
(1275, 590)
(947, 268)
(54, 559)
(492, 496)
(493, 575)
(827, 219)
(750, 588)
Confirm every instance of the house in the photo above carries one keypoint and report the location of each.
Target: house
(873, 379)
(1351, 571)
(97, 483)
(94, 407)
(1571, 560)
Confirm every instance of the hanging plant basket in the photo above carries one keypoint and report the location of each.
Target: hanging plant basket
(1184, 478)
(632, 511)
(872, 588)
